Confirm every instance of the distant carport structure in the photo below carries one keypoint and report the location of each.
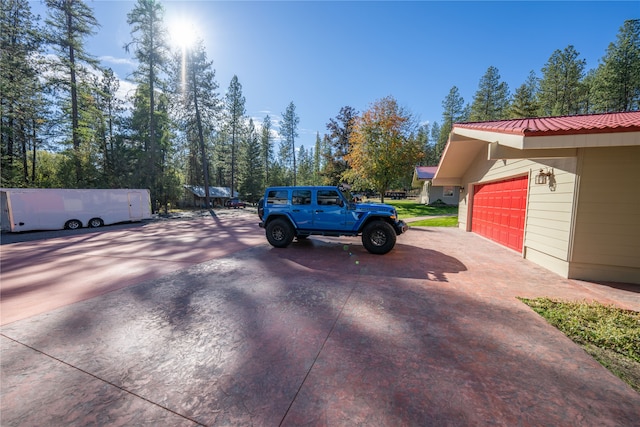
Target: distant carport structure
(559, 190)
(217, 195)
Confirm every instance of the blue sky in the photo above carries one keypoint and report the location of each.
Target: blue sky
(324, 55)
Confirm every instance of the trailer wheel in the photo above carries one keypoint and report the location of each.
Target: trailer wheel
(73, 224)
(95, 223)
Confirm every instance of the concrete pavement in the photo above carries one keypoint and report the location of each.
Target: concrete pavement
(321, 333)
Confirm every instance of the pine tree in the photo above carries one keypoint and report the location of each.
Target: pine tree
(317, 160)
(524, 103)
(428, 147)
(198, 106)
(618, 75)
(454, 111)
(305, 168)
(109, 124)
(250, 165)
(21, 107)
(235, 111)
(437, 147)
(68, 26)
(289, 133)
(491, 100)
(266, 149)
(560, 90)
(150, 49)
(340, 129)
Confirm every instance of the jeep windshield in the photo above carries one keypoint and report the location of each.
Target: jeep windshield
(347, 195)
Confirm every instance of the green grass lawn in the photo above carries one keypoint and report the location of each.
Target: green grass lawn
(609, 334)
(449, 221)
(412, 209)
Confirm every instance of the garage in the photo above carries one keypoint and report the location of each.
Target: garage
(498, 211)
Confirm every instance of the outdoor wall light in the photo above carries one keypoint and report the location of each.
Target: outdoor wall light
(542, 176)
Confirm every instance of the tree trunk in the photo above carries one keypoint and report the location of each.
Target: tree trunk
(205, 167)
(74, 103)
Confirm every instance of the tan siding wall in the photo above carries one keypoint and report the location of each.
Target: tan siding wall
(605, 241)
(549, 210)
(607, 230)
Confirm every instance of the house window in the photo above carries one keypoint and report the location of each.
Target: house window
(448, 191)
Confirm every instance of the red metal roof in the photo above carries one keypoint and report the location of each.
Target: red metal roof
(563, 125)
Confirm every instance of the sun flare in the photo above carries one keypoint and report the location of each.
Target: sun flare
(182, 33)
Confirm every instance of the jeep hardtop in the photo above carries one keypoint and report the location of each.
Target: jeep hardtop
(301, 211)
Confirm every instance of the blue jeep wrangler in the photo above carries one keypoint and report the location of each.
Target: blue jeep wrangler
(288, 212)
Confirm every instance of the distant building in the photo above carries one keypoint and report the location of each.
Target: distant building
(429, 193)
(194, 196)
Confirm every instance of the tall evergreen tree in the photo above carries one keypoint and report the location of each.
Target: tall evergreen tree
(109, 126)
(454, 111)
(618, 75)
(266, 149)
(198, 105)
(491, 100)
(437, 148)
(70, 22)
(317, 160)
(305, 166)
(20, 92)
(427, 146)
(524, 102)
(340, 129)
(560, 90)
(250, 165)
(149, 44)
(235, 111)
(289, 133)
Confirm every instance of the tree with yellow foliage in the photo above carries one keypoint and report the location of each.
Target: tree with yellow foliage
(384, 148)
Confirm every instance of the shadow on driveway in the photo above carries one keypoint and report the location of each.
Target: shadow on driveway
(320, 333)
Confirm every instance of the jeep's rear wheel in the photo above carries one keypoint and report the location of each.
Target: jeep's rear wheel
(378, 237)
(279, 233)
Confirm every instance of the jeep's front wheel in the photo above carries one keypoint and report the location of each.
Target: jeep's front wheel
(378, 237)
(279, 233)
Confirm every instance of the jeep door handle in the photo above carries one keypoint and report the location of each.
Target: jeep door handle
(319, 210)
(296, 210)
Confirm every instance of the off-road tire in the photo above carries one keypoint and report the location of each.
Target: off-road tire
(378, 237)
(279, 233)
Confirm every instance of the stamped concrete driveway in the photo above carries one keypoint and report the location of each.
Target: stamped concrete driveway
(203, 323)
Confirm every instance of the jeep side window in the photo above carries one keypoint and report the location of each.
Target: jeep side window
(277, 197)
(328, 197)
(301, 197)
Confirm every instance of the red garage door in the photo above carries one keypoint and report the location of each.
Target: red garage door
(498, 211)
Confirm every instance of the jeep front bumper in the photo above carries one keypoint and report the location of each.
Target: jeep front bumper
(400, 227)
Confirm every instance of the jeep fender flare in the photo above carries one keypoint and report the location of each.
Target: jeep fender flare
(285, 216)
(371, 218)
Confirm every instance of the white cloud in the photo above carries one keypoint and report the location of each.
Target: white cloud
(117, 61)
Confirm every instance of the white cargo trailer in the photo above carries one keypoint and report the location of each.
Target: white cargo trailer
(25, 209)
